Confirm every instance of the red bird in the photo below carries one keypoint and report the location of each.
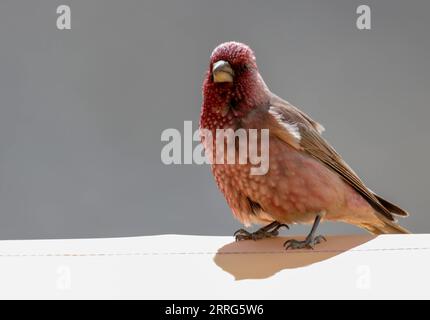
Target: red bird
(307, 181)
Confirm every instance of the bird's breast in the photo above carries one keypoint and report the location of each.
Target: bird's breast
(295, 187)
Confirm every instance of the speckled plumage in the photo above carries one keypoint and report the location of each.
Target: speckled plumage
(306, 176)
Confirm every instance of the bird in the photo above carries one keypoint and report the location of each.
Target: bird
(307, 181)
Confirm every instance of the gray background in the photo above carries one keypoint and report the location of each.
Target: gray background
(82, 111)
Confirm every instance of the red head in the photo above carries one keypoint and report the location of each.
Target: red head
(232, 86)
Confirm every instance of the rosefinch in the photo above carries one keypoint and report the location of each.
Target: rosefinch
(307, 180)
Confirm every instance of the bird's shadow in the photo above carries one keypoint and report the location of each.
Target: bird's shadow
(264, 258)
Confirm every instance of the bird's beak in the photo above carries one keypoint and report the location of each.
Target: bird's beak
(222, 72)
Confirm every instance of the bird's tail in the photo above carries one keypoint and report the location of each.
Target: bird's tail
(386, 227)
(393, 208)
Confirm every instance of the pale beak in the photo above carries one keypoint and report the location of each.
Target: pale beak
(222, 72)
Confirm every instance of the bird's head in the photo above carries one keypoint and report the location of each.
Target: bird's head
(233, 84)
(232, 62)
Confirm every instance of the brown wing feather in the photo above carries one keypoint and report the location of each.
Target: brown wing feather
(394, 209)
(316, 146)
(296, 114)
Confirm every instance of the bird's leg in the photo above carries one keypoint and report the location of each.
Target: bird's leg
(269, 231)
(310, 240)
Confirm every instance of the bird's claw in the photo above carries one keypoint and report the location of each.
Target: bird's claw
(242, 234)
(255, 235)
(262, 233)
(308, 243)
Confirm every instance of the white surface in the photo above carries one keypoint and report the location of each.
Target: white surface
(183, 267)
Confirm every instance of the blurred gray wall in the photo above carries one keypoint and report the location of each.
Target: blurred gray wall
(82, 111)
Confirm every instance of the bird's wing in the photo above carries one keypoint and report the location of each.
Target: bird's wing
(300, 131)
(296, 114)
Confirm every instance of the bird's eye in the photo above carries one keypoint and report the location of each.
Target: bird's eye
(244, 68)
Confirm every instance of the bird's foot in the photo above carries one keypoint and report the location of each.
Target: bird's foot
(308, 243)
(262, 233)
